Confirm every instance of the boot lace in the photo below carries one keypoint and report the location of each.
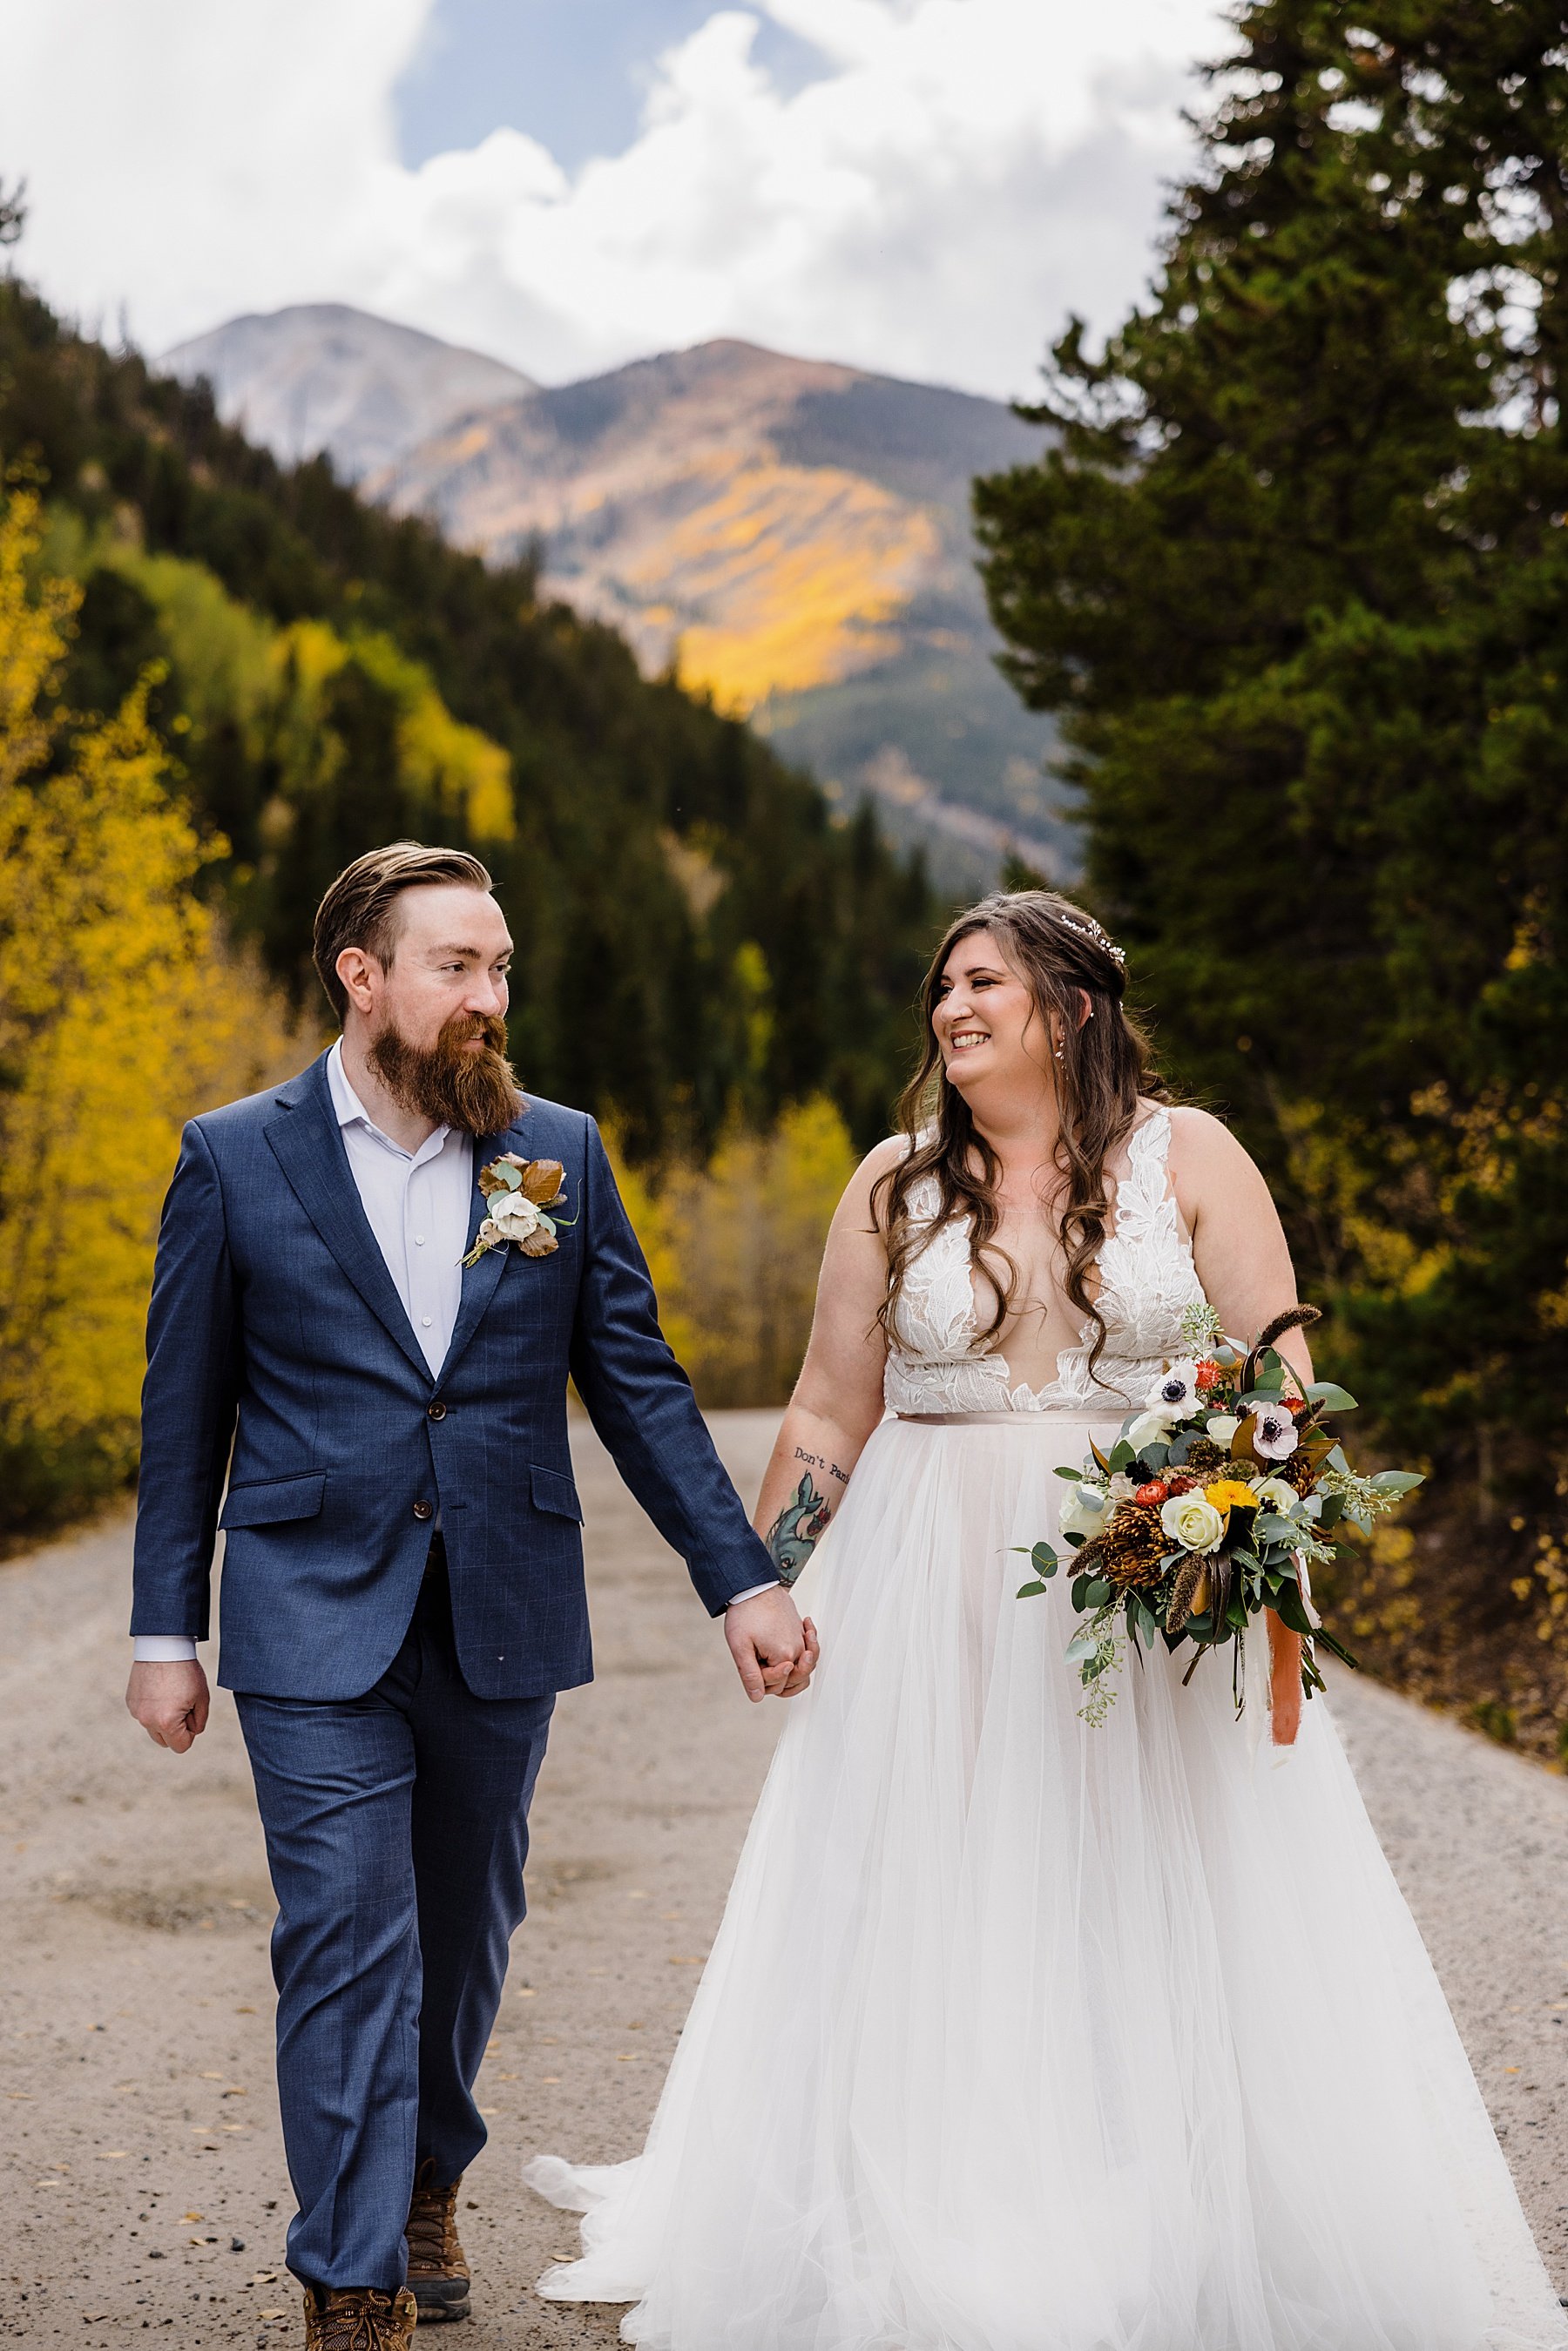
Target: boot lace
(369, 2322)
(432, 2230)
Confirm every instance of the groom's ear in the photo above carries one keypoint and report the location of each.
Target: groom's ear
(354, 967)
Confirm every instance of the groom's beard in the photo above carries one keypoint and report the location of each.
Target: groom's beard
(474, 1091)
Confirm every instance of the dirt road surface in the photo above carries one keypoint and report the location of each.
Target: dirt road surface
(141, 2166)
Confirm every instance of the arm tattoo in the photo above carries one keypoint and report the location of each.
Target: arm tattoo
(792, 1537)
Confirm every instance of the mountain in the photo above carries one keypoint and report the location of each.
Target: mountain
(792, 535)
(697, 938)
(321, 376)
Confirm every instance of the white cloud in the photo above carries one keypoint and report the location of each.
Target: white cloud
(963, 173)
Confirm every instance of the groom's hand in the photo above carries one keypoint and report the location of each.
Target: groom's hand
(774, 1653)
(171, 1702)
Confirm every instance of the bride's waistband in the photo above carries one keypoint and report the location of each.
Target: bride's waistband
(1020, 1418)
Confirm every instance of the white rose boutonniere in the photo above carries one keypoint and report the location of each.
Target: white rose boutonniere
(519, 1192)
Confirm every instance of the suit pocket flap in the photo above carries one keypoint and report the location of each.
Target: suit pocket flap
(556, 1494)
(268, 1502)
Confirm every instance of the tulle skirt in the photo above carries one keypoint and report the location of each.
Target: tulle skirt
(1024, 2035)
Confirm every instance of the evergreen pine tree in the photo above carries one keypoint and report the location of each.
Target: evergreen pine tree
(1295, 575)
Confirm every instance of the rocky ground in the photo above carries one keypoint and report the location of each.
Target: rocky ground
(141, 2169)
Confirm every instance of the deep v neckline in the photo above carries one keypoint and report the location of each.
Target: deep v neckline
(1071, 1359)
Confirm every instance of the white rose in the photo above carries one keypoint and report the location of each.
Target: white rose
(513, 1217)
(1275, 1495)
(1222, 1427)
(1192, 1521)
(1083, 1512)
(1150, 1429)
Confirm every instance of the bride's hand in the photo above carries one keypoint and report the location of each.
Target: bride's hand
(1284, 1682)
(774, 1653)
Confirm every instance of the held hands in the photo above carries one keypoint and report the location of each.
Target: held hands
(171, 1702)
(774, 1653)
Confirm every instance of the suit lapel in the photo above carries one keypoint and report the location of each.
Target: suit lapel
(308, 1147)
(479, 1280)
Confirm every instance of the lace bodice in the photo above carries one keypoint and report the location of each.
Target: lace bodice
(935, 1364)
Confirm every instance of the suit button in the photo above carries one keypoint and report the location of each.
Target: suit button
(435, 1411)
(423, 1511)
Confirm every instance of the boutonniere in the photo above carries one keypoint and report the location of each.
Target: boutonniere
(520, 1191)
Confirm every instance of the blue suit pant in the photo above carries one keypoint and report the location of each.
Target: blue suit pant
(396, 1832)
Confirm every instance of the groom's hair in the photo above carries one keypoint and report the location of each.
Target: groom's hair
(359, 909)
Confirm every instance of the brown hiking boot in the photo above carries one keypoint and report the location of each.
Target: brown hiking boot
(437, 2271)
(358, 2318)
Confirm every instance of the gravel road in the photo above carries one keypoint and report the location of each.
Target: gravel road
(142, 2164)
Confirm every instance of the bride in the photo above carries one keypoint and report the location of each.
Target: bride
(1020, 2035)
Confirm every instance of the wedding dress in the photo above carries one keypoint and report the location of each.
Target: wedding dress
(1024, 2035)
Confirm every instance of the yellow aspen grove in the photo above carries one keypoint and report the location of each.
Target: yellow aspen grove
(120, 1013)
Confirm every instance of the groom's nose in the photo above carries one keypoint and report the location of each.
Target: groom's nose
(488, 996)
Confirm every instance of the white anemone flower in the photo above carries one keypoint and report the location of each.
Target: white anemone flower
(1274, 1435)
(1174, 1393)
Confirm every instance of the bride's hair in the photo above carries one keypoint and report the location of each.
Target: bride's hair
(1062, 957)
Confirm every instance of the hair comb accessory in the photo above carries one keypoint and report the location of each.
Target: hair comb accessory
(1090, 929)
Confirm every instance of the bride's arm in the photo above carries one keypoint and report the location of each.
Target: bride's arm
(837, 1397)
(1244, 1264)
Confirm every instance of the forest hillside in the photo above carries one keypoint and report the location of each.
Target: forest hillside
(219, 681)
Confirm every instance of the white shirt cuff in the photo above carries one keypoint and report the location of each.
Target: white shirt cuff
(163, 1649)
(739, 1596)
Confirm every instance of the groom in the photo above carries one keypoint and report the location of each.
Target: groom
(403, 1590)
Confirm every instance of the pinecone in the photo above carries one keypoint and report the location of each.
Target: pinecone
(1300, 1471)
(1204, 1456)
(1131, 1548)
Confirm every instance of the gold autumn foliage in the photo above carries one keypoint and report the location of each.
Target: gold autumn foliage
(121, 1014)
(735, 1249)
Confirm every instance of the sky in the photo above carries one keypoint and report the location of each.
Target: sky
(922, 187)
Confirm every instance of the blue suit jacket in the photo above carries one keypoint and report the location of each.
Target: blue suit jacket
(276, 1328)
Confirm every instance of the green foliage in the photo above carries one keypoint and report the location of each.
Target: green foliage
(1295, 575)
(120, 1013)
(694, 931)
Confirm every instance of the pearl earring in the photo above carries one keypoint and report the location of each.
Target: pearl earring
(1060, 1055)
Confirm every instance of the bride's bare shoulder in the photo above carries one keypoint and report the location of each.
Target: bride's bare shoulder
(1208, 1167)
(866, 1191)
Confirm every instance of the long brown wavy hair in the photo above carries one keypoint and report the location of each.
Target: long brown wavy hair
(1106, 1070)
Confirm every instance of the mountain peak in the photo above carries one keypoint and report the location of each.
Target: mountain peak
(321, 376)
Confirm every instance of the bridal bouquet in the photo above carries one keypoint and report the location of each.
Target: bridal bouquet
(1214, 1504)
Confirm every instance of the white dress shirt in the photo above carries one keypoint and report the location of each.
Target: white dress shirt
(417, 1206)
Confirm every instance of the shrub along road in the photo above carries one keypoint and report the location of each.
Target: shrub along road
(140, 2158)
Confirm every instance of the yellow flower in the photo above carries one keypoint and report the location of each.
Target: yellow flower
(1229, 1493)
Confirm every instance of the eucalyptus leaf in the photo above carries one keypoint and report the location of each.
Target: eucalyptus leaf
(1027, 1591)
(1397, 1481)
(1081, 1649)
(1121, 1454)
(1098, 1594)
(1044, 1559)
(1332, 1398)
(1073, 1477)
(1269, 1527)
